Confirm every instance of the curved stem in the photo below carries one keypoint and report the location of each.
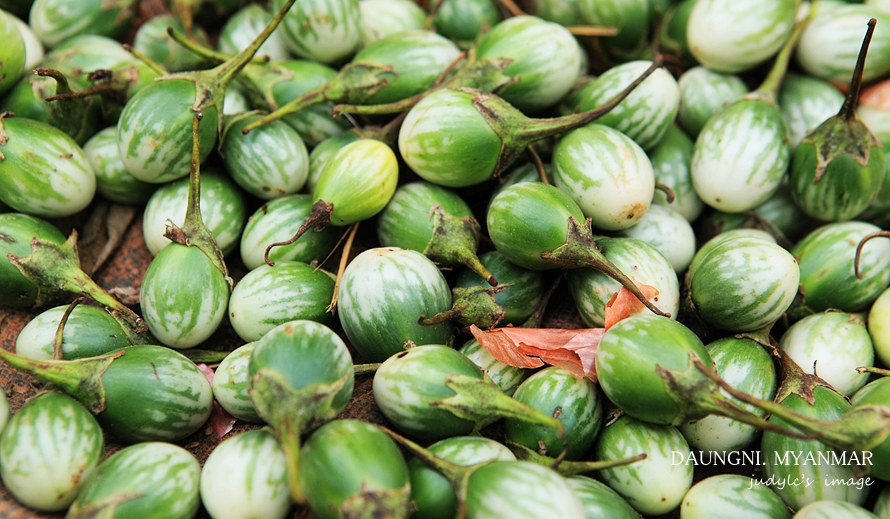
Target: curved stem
(344, 259)
(539, 165)
(861, 244)
(58, 336)
(669, 194)
(318, 218)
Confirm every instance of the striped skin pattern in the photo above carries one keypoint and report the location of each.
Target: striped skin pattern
(231, 381)
(156, 480)
(646, 113)
(632, 18)
(729, 36)
(156, 145)
(655, 485)
(703, 92)
(43, 171)
(806, 102)
(113, 181)
(829, 44)
(268, 296)
(359, 180)
(269, 162)
(13, 56)
(523, 295)
(748, 367)
(293, 78)
(527, 219)
(418, 58)
(591, 289)
(575, 401)
(546, 58)
(432, 493)
(427, 137)
(606, 173)
(741, 156)
(846, 187)
(223, 210)
(407, 221)
(827, 405)
(668, 231)
(406, 383)
(247, 23)
(380, 18)
(520, 489)
(599, 500)
(733, 494)
(183, 318)
(18, 229)
(833, 344)
(246, 476)
(671, 159)
(277, 221)
(626, 361)
(322, 153)
(507, 377)
(55, 22)
(326, 31)
(154, 393)
(347, 466)
(303, 354)
(382, 293)
(744, 284)
(827, 275)
(48, 449)
(89, 331)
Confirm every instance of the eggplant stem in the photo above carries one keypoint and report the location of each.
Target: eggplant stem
(319, 218)
(669, 193)
(539, 165)
(150, 63)
(857, 258)
(592, 31)
(851, 102)
(344, 259)
(872, 369)
(60, 330)
(194, 47)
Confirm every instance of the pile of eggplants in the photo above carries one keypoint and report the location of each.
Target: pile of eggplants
(371, 224)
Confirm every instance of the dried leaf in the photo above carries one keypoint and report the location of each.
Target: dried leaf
(220, 421)
(624, 304)
(572, 350)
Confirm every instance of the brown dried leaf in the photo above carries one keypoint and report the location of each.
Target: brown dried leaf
(220, 422)
(624, 304)
(572, 350)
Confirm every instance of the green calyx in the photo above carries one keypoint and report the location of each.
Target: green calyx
(471, 305)
(81, 379)
(211, 85)
(54, 269)
(454, 242)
